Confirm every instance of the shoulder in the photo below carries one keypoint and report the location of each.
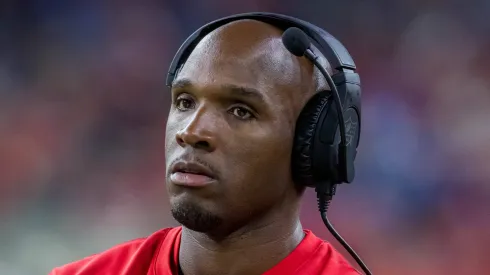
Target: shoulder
(337, 263)
(133, 255)
(327, 260)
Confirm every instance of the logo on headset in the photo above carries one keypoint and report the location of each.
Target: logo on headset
(350, 130)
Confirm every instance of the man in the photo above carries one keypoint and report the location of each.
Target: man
(229, 140)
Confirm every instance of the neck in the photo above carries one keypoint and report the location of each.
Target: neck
(249, 250)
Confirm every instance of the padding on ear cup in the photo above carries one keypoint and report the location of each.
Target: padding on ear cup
(306, 126)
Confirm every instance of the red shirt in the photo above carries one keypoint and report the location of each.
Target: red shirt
(158, 255)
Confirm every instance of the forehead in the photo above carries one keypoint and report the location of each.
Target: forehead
(245, 57)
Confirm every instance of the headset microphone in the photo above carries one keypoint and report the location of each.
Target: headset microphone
(298, 43)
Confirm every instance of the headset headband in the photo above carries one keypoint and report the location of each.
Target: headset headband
(336, 54)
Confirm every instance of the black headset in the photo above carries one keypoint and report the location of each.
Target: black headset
(316, 157)
(328, 128)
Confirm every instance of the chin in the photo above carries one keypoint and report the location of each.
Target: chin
(194, 216)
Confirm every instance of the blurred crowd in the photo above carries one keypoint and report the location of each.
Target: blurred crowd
(83, 109)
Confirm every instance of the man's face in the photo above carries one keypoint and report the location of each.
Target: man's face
(232, 118)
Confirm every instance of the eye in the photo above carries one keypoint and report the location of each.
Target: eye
(183, 103)
(242, 113)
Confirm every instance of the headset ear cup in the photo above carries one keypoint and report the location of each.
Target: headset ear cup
(306, 127)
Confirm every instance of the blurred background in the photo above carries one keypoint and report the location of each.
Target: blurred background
(83, 109)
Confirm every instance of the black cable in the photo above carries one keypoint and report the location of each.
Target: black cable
(324, 197)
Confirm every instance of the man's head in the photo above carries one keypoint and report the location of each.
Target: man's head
(235, 103)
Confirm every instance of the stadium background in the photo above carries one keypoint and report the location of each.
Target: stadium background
(83, 109)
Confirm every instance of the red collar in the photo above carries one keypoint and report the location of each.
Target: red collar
(167, 261)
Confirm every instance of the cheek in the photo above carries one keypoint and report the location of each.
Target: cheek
(258, 177)
(259, 162)
(171, 130)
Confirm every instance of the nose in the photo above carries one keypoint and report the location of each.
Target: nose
(199, 132)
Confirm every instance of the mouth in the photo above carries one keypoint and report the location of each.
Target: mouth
(191, 174)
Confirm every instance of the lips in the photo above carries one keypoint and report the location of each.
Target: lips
(191, 174)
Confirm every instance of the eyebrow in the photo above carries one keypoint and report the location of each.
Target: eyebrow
(240, 91)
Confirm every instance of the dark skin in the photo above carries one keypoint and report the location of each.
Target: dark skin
(235, 105)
